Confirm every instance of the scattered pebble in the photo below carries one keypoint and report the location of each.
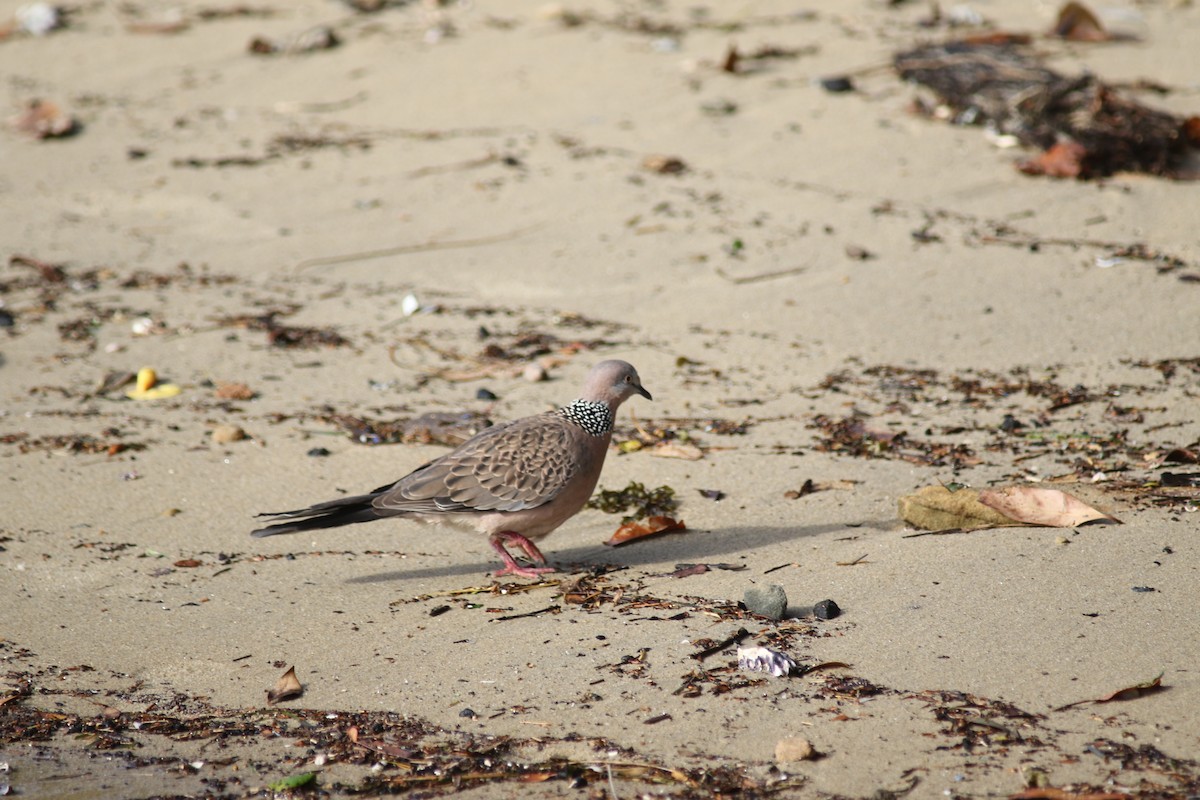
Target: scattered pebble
(224, 434)
(318, 452)
(837, 84)
(826, 609)
(534, 373)
(38, 19)
(768, 602)
(485, 394)
(664, 165)
(468, 713)
(794, 748)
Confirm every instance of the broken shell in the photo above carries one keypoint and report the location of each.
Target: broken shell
(764, 659)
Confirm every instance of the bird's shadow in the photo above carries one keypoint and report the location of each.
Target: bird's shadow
(694, 546)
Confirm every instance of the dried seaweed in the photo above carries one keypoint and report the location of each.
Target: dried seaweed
(285, 336)
(446, 428)
(74, 443)
(644, 502)
(1003, 87)
(851, 436)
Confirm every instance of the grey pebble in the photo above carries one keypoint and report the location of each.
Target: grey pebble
(770, 601)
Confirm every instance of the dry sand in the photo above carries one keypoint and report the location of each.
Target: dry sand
(495, 154)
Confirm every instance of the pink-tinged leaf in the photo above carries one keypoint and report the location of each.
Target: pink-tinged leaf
(1040, 506)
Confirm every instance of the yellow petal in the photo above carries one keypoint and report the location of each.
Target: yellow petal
(158, 392)
(146, 378)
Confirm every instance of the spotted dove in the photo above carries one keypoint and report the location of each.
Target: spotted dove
(516, 481)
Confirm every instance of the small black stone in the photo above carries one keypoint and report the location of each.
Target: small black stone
(7, 320)
(1010, 423)
(317, 452)
(837, 84)
(485, 394)
(826, 609)
(468, 713)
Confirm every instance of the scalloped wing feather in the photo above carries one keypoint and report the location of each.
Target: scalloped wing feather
(512, 467)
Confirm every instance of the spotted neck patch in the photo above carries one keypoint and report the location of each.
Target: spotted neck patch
(592, 416)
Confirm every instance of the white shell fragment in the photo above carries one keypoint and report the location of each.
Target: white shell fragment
(37, 19)
(764, 659)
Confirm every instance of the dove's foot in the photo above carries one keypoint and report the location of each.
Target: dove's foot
(511, 567)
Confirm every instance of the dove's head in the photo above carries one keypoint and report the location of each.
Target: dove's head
(613, 382)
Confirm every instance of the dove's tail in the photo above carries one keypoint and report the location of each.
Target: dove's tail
(330, 514)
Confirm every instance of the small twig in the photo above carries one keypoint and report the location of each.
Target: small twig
(526, 614)
(764, 276)
(855, 562)
(473, 163)
(405, 249)
(949, 532)
(612, 787)
(737, 638)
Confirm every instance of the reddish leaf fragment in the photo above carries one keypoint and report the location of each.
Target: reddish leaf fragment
(1063, 160)
(187, 563)
(1128, 693)
(638, 530)
(1000, 38)
(1131, 692)
(287, 687)
(1077, 23)
(1181, 456)
(44, 120)
(1051, 793)
(1191, 129)
(234, 391)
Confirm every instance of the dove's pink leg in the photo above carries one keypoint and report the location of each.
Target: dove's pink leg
(511, 567)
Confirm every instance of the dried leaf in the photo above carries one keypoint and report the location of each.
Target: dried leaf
(1035, 505)
(637, 530)
(1128, 693)
(673, 449)
(44, 120)
(1053, 793)
(1077, 23)
(936, 508)
(188, 563)
(287, 687)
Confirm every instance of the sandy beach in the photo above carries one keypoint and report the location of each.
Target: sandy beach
(325, 221)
